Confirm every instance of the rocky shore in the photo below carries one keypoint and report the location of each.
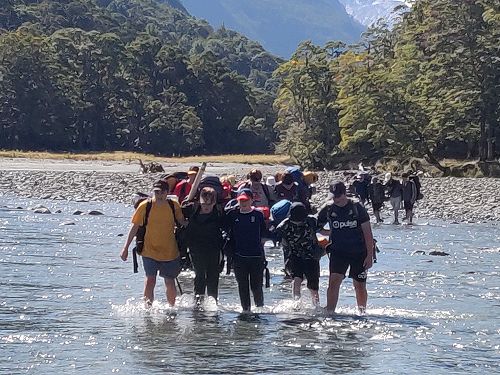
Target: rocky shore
(451, 199)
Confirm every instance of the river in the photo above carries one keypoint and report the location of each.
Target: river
(68, 304)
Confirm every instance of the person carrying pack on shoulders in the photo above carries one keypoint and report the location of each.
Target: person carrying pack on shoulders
(204, 239)
(183, 188)
(247, 227)
(351, 245)
(409, 196)
(260, 191)
(160, 254)
(300, 243)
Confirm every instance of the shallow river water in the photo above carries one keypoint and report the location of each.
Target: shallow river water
(68, 304)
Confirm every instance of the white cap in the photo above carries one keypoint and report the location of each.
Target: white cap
(388, 176)
(270, 181)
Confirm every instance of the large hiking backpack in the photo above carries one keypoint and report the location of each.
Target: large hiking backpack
(418, 185)
(297, 175)
(213, 182)
(280, 211)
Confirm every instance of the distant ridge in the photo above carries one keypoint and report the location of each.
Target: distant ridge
(280, 25)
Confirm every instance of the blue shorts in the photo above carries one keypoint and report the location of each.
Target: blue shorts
(168, 269)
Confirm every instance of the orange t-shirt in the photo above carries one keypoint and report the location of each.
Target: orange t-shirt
(159, 242)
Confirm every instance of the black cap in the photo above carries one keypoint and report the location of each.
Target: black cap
(298, 211)
(160, 185)
(338, 189)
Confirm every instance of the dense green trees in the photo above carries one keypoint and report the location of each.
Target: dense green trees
(141, 75)
(428, 88)
(127, 74)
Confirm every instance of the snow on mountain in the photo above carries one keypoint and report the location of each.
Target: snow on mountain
(368, 12)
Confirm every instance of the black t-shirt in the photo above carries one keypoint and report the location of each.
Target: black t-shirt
(204, 231)
(246, 231)
(345, 222)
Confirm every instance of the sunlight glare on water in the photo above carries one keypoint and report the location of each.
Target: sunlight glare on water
(68, 303)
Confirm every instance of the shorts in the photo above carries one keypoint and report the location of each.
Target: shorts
(340, 264)
(408, 205)
(377, 206)
(168, 269)
(305, 268)
(395, 203)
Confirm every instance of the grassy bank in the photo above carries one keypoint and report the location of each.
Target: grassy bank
(120, 156)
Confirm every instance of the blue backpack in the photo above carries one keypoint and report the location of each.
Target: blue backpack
(280, 211)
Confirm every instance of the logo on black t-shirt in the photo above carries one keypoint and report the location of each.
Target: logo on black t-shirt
(336, 224)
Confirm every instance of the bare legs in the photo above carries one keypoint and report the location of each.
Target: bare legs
(149, 288)
(296, 284)
(333, 293)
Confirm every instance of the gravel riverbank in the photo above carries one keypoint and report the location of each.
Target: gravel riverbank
(451, 199)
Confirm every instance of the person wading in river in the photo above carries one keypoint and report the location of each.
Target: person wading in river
(351, 245)
(160, 253)
(204, 238)
(247, 227)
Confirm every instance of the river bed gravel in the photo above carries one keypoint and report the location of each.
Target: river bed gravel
(452, 199)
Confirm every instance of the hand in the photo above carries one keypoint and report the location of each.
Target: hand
(368, 263)
(124, 254)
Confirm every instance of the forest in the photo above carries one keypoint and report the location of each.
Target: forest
(84, 75)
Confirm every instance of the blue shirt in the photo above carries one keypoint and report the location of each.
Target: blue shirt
(247, 230)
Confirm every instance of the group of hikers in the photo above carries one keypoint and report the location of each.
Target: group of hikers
(221, 222)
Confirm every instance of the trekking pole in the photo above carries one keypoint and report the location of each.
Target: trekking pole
(179, 286)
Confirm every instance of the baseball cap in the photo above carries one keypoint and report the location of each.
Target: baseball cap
(244, 195)
(338, 189)
(193, 170)
(160, 185)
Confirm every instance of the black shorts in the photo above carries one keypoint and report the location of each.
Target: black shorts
(408, 205)
(340, 264)
(377, 206)
(305, 268)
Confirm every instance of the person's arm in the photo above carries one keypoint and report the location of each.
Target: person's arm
(131, 234)
(368, 236)
(137, 220)
(178, 214)
(322, 217)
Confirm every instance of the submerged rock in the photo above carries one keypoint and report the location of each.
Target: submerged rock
(42, 210)
(95, 213)
(78, 212)
(68, 223)
(438, 253)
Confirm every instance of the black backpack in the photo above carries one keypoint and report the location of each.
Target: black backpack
(213, 182)
(418, 185)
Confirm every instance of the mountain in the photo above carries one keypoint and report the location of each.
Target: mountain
(368, 12)
(280, 25)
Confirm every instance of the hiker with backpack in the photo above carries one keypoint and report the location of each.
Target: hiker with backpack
(409, 194)
(351, 245)
(394, 192)
(157, 217)
(298, 233)
(246, 228)
(260, 191)
(204, 239)
(183, 187)
(376, 192)
(287, 188)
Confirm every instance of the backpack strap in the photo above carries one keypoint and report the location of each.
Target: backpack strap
(266, 193)
(148, 210)
(134, 251)
(171, 204)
